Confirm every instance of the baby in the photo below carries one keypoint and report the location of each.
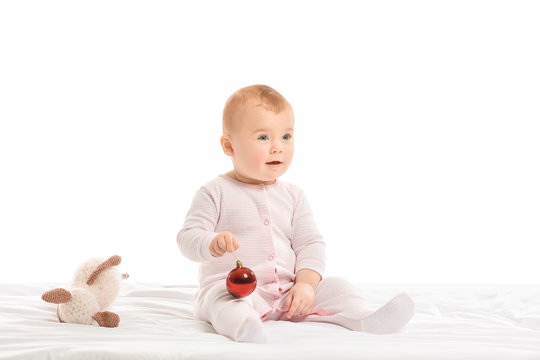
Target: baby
(269, 226)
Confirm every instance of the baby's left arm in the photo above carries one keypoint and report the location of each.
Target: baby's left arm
(308, 245)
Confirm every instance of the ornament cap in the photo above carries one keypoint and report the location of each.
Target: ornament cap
(238, 264)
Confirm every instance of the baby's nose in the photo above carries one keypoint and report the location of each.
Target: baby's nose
(276, 148)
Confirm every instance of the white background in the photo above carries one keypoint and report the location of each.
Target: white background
(417, 131)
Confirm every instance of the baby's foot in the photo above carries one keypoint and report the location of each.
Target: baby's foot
(391, 317)
(252, 331)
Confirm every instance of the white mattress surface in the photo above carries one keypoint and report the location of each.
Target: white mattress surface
(451, 322)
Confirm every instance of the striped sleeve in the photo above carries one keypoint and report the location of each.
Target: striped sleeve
(199, 227)
(306, 240)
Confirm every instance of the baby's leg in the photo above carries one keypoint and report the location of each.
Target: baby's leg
(231, 317)
(338, 297)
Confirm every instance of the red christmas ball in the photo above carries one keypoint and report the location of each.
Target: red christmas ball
(241, 281)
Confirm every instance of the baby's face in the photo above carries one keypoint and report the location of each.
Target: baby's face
(261, 144)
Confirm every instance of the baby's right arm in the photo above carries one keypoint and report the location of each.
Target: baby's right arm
(198, 232)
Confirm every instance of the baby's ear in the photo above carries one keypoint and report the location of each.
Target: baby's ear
(226, 145)
(56, 296)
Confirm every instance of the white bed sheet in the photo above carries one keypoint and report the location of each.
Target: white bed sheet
(451, 322)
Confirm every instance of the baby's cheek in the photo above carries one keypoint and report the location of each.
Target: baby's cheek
(259, 158)
(290, 154)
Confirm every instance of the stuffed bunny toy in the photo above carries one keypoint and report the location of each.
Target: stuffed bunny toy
(95, 286)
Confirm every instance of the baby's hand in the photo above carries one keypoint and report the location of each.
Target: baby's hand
(222, 243)
(300, 300)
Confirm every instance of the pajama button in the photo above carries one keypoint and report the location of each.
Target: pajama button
(266, 222)
(280, 289)
(271, 257)
(261, 188)
(276, 297)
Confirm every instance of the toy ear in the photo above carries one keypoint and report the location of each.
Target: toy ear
(112, 261)
(56, 296)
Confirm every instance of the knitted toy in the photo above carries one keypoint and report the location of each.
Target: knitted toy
(95, 286)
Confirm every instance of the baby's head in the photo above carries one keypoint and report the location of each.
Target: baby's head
(258, 129)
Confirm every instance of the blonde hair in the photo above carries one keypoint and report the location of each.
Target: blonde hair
(255, 95)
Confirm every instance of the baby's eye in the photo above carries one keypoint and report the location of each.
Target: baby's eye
(287, 137)
(263, 137)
